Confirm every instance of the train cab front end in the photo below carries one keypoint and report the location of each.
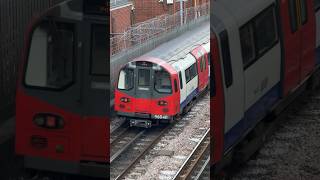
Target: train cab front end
(61, 113)
(147, 93)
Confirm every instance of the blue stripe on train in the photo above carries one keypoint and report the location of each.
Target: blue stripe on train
(252, 116)
(189, 98)
(318, 55)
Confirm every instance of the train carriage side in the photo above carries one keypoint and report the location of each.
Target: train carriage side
(250, 49)
(61, 112)
(317, 11)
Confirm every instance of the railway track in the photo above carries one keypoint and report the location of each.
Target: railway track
(197, 161)
(200, 135)
(133, 151)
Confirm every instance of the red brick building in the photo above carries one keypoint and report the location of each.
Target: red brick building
(120, 16)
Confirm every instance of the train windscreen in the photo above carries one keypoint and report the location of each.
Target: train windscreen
(50, 61)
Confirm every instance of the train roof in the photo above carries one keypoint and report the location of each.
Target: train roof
(179, 47)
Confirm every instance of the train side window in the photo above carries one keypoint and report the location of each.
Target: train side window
(99, 62)
(304, 11)
(293, 15)
(247, 44)
(316, 5)
(187, 74)
(226, 59)
(180, 79)
(51, 55)
(175, 86)
(265, 27)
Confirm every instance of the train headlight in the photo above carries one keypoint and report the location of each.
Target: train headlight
(162, 103)
(49, 121)
(124, 99)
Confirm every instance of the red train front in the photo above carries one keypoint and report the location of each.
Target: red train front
(162, 84)
(61, 113)
(138, 98)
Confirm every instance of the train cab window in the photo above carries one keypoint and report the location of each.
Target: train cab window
(50, 61)
(304, 11)
(180, 79)
(293, 15)
(162, 83)
(144, 78)
(265, 26)
(247, 45)
(226, 58)
(126, 79)
(99, 63)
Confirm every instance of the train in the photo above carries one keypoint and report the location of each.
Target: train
(61, 111)
(162, 84)
(264, 54)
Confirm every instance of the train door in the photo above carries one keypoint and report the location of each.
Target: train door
(144, 85)
(217, 112)
(202, 67)
(95, 79)
(183, 91)
(297, 22)
(291, 43)
(308, 36)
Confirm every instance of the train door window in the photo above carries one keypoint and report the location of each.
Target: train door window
(175, 86)
(225, 53)
(162, 82)
(180, 79)
(99, 63)
(265, 27)
(50, 62)
(304, 11)
(126, 78)
(144, 78)
(317, 5)
(247, 44)
(293, 15)
(201, 64)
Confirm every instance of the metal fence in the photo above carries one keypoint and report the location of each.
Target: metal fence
(142, 32)
(14, 18)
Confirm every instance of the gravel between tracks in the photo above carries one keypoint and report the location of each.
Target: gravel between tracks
(168, 155)
(293, 151)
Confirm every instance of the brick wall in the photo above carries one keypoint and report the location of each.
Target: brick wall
(120, 19)
(147, 9)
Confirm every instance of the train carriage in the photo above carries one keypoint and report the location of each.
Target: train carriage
(61, 100)
(163, 83)
(263, 55)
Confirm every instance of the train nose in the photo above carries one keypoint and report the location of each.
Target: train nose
(143, 106)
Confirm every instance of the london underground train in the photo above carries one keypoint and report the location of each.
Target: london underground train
(162, 84)
(61, 99)
(263, 56)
